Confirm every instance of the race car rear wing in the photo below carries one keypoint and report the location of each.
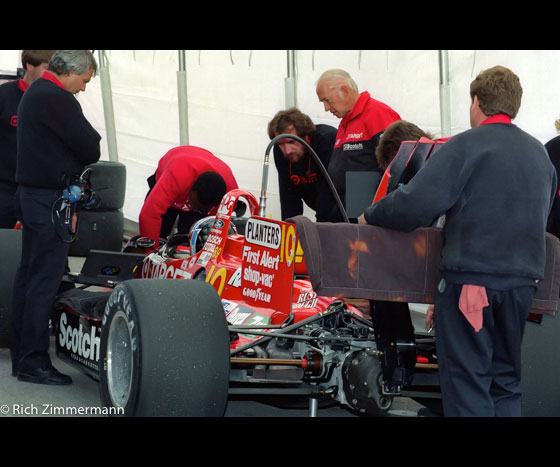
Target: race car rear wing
(371, 262)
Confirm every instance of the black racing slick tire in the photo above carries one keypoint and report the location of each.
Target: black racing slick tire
(164, 350)
(108, 181)
(10, 255)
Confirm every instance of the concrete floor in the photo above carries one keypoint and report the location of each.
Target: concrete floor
(81, 398)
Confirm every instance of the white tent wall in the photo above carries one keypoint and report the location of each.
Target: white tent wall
(10, 60)
(232, 95)
(538, 71)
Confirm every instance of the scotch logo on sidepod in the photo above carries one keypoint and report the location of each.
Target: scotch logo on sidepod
(83, 344)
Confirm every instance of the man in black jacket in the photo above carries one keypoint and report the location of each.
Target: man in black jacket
(495, 184)
(299, 177)
(54, 141)
(553, 148)
(34, 62)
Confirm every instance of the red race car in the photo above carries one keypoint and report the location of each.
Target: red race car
(246, 322)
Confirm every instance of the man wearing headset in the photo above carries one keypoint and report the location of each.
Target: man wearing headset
(54, 141)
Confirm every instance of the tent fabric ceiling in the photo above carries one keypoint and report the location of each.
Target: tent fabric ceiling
(233, 94)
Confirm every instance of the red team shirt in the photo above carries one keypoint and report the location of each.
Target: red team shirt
(176, 172)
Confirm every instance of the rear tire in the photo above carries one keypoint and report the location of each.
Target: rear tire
(164, 349)
(109, 178)
(10, 252)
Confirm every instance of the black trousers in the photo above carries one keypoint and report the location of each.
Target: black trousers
(38, 278)
(7, 209)
(394, 337)
(480, 372)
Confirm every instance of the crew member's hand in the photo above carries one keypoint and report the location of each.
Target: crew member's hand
(362, 219)
(430, 318)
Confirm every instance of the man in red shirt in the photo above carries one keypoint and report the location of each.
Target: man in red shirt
(363, 121)
(189, 182)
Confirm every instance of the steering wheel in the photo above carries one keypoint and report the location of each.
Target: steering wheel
(200, 231)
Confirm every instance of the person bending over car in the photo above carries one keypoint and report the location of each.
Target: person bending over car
(189, 183)
(392, 322)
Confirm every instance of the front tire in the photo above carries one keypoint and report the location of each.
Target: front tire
(164, 349)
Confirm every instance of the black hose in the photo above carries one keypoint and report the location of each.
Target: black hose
(319, 163)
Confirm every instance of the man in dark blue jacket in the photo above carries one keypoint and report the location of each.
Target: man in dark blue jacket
(54, 141)
(495, 184)
(553, 148)
(34, 62)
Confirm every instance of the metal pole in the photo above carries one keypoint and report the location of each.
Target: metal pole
(290, 81)
(444, 93)
(107, 97)
(182, 100)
